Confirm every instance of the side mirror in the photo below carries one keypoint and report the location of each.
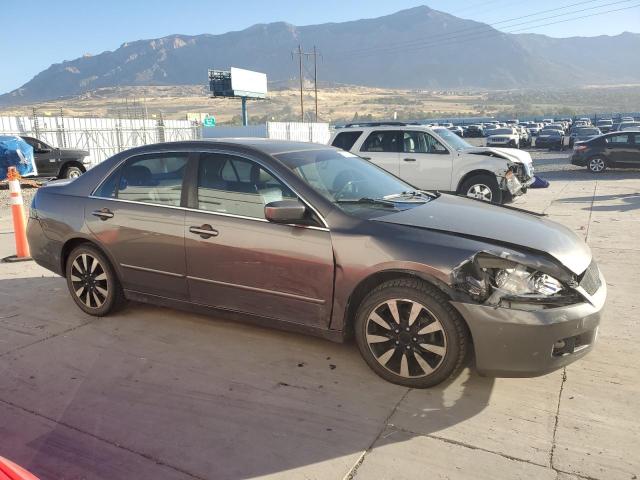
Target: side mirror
(41, 148)
(285, 211)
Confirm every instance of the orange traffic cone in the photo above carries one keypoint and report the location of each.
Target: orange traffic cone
(11, 471)
(19, 221)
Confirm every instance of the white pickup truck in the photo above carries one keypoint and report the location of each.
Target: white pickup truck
(437, 159)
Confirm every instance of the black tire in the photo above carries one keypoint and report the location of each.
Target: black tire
(451, 331)
(86, 279)
(72, 172)
(597, 164)
(484, 179)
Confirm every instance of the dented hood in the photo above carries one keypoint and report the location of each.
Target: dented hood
(513, 154)
(493, 223)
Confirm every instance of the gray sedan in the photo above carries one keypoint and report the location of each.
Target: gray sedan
(314, 239)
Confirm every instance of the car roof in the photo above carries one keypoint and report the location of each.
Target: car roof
(387, 127)
(264, 145)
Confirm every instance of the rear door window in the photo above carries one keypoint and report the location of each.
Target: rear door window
(382, 141)
(152, 178)
(346, 140)
(619, 140)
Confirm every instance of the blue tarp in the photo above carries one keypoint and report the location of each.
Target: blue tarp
(15, 152)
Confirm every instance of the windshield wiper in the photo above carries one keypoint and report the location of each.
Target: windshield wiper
(410, 194)
(369, 201)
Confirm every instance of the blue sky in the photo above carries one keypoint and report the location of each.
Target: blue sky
(37, 33)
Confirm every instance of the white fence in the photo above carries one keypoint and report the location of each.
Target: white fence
(259, 131)
(102, 137)
(302, 132)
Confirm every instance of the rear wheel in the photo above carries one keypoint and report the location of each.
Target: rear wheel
(92, 281)
(597, 165)
(72, 172)
(409, 334)
(482, 187)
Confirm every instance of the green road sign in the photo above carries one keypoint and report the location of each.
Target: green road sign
(209, 121)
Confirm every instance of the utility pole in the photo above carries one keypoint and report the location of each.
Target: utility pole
(302, 54)
(315, 78)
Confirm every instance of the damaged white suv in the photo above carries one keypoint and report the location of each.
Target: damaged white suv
(437, 159)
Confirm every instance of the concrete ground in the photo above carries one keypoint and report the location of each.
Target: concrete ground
(152, 393)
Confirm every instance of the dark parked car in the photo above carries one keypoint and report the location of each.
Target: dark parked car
(315, 239)
(582, 134)
(57, 162)
(550, 138)
(617, 149)
(474, 131)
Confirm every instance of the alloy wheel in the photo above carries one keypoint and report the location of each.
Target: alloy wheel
(406, 338)
(74, 174)
(89, 280)
(480, 192)
(597, 165)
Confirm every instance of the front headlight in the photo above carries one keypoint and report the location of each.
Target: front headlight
(521, 281)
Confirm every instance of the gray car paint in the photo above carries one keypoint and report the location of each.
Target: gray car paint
(347, 259)
(456, 214)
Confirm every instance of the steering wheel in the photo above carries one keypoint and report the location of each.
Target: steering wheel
(345, 181)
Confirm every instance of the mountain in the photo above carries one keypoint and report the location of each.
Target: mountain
(414, 48)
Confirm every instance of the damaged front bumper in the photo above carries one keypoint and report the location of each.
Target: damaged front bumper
(511, 342)
(517, 179)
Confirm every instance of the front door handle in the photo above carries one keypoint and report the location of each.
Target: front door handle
(205, 231)
(409, 159)
(103, 214)
(366, 158)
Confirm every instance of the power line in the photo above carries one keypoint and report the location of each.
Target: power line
(304, 55)
(419, 45)
(483, 27)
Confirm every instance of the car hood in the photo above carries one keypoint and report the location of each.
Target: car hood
(499, 225)
(72, 153)
(514, 155)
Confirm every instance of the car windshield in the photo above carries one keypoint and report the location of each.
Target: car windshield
(502, 131)
(588, 131)
(453, 140)
(550, 132)
(605, 122)
(351, 182)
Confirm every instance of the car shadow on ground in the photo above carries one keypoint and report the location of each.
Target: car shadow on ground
(630, 201)
(198, 396)
(582, 174)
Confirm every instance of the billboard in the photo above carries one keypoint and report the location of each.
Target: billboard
(246, 83)
(238, 83)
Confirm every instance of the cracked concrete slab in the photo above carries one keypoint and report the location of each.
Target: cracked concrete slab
(399, 455)
(514, 417)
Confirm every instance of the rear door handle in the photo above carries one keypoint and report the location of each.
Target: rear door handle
(409, 159)
(366, 158)
(205, 231)
(103, 214)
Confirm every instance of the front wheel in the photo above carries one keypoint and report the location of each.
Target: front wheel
(482, 187)
(409, 334)
(597, 165)
(92, 282)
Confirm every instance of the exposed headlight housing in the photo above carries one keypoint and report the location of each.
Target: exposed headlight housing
(522, 281)
(495, 280)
